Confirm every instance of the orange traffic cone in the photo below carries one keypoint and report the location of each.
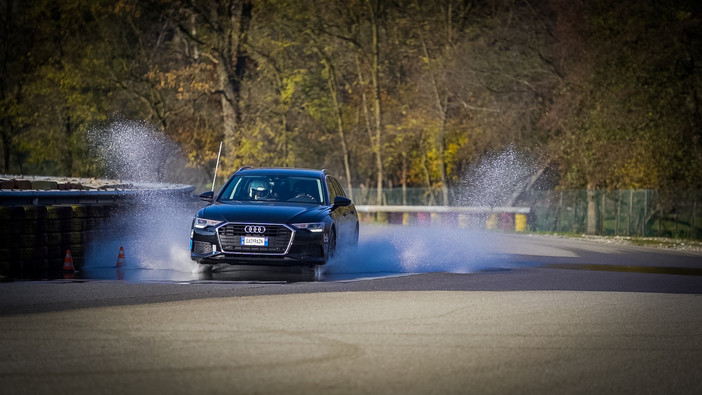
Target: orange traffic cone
(68, 262)
(120, 257)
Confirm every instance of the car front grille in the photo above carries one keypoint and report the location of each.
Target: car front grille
(279, 238)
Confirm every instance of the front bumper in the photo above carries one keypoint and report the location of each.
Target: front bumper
(287, 246)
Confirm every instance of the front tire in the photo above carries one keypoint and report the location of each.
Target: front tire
(205, 267)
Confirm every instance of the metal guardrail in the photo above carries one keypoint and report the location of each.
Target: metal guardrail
(10, 197)
(442, 209)
(504, 218)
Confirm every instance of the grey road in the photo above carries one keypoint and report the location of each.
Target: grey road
(542, 315)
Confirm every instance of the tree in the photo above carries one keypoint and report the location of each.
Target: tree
(627, 105)
(48, 90)
(218, 32)
(627, 113)
(15, 67)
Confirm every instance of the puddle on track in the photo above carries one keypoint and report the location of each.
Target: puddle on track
(383, 251)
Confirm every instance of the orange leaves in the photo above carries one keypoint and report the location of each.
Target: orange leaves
(188, 82)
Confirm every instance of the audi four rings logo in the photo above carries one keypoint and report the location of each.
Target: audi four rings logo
(254, 229)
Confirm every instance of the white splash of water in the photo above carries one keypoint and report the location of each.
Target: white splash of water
(134, 151)
(154, 235)
(411, 249)
(496, 180)
(394, 249)
(154, 228)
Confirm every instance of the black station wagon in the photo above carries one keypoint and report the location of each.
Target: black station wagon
(274, 216)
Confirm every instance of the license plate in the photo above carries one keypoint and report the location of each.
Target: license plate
(254, 241)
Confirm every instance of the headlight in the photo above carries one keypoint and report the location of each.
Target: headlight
(315, 227)
(202, 223)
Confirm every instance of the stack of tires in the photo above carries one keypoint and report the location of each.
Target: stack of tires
(35, 239)
(24, 239)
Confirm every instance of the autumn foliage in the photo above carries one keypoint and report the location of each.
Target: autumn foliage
(604, 94)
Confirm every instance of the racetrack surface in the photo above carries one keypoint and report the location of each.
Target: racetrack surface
(533, 314)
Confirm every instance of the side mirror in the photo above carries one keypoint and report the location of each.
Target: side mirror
(207, 196)
(341, 201)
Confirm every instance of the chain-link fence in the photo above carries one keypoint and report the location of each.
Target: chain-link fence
(616, 213)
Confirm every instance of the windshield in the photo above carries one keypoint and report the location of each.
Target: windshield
(274, 189)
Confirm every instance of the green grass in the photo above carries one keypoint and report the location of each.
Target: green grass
(660, 242)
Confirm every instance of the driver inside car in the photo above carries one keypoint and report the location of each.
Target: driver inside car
(259, 189)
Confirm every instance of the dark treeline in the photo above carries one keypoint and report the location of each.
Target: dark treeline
(384, 93)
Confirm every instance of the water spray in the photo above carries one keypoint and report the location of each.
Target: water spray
(155, 230)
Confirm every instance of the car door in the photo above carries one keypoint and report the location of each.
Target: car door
(336, 215)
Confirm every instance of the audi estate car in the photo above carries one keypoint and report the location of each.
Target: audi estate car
(274, 216)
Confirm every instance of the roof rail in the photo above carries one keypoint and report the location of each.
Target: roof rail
(244, 168)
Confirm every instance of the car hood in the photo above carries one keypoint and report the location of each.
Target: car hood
(263, 212)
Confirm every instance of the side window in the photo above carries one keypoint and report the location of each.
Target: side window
(339, 189)
(331, 189)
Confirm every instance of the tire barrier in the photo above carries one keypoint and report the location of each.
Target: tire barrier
(41, 219)
(36, 238)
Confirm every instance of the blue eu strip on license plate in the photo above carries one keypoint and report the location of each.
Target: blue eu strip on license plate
(254, 241)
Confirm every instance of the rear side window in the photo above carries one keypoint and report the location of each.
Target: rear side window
(333, 193)
(335, 188)
(339, 189)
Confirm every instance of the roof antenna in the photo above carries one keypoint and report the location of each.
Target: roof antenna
(216, 166)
